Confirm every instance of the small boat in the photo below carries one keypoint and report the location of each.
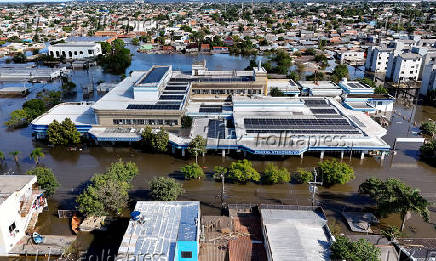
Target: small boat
(37, 238)
(75, 223)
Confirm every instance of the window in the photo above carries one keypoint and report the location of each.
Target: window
(186, 254)
(89, 51)
(379, 103)
(75, 52)
(81, 52)
(12, 227)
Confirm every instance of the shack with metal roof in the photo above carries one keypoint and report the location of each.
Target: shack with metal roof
(164, 231)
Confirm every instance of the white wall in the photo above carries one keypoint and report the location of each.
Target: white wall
(76, 51)
(10, 213)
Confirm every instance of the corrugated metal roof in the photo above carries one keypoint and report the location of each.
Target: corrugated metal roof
(160, 226)
(298, 234)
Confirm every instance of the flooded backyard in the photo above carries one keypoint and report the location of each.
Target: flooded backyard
(74, 168)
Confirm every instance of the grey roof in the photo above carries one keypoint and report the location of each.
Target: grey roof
(300, 234)
(161, 225)
(12, 183)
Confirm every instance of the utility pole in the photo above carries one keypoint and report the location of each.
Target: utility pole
(313, 186)
(222, 190)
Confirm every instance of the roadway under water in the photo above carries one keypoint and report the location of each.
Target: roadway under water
(74, 168)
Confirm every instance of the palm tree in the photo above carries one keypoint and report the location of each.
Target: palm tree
(36, 154)
(15, 155)
(2, 156)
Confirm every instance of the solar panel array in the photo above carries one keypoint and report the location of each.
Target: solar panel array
(315, 103)
(153, 107)
(211, 108)
(155, 75)
(171, 97)
(323, 111)
(300, 126)
(175, 88)
(356, 85)
(216, 129)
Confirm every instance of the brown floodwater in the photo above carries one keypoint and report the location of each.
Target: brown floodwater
(74, 169)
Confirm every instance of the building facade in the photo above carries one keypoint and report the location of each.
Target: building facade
(428, 79)
(20, 203)
(75, 50)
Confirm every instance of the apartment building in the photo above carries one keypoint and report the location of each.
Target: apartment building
(403, 67)
(377, 59)
(428, 79)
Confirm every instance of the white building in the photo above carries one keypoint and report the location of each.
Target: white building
(428, 79)
(20, 203)
(404, 67)
(377, 59)
(75, 50)
(351, 56)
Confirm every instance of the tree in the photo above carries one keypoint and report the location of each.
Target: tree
(19, 58)
(15, 155)
(34, 108)
(197, 146)
(135, 41)
(428, 150)
(368, 82)
(46, 179)
(242, 171)
(36, 154)
(335, 172)
(361, 250)
(302, 176)
(64, 133)
(219, 172)
(192, 171)
(340, 72)
(186, 121)
(380, 90)
(160, 141)
(275, 92)
(165, 189)
(117, 58)
(275, 175)
(393, 196)
(19, 118)
(428, 128)
(391, 232)
(108, 193)
(2, 156)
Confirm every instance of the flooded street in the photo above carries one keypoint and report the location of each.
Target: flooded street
(74, 168)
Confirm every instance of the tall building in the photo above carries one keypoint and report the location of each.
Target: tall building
(377, 59)
(428, 79)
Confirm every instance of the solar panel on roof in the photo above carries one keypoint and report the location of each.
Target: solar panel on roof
(315, 103)
(216, 129)
(298, 124)
(175, 88)
(155, 75)
(211, 108)
(304, 131)
(152, 107)
(323, 111)
(171, 97)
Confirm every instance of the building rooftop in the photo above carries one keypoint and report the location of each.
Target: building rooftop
(300, 234)
(76, 44)
(155, 75)
(161, 225)
(79, 113)
(12, 183)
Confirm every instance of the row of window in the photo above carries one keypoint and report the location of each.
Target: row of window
(144, 122)
(70, 53)
(226, 91)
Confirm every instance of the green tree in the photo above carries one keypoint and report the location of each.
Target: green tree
(117, 59)
(335, 172)
(428, 128)
(46, 179)
(275, 92)
(302, 176)
(361, 250)
(165, 189)
(393, 196)
(64, 133)
(108, 193)
(428, 150)
(135, 41)
(242, 172)
(34, 108)
(219, 172)
(391, 232)
(192, 171)
(36, 154)
(160, 140)
(197, 146)
(186, 121)
(19, 118)
(19, 58)
(380, 90)
(15, 155)
(275, 175)
(2, 156)
(340, 71)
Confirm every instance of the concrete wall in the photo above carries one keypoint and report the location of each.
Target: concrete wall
(10, 214)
